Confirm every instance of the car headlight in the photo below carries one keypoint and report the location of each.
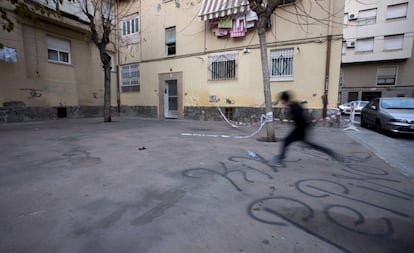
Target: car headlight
(399, 120)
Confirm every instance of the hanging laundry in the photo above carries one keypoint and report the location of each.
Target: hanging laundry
(220, 32)
(251, 17)
(213, 23)
(225, 22)
(8, 54)
(238, 27)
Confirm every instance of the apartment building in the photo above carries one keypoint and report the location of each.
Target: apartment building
(181, 59)
(50, 69)
(174, 59)
(377, 52)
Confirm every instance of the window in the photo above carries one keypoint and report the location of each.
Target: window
(281, 61)
(58, 50)
(364, 45)
(287, 2)
(170, 40)
(223, 66)
(387, 75)
(130, 78)
(130, 25)
(367, 17)
(397, 11)
(352, 96)
(393, 42)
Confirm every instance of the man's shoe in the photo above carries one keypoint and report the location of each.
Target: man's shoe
(276, 162)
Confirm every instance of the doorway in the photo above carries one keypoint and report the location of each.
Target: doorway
(368, 96)
(171, 96)
(170, 99)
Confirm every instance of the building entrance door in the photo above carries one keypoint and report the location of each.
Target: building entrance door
(170, 99)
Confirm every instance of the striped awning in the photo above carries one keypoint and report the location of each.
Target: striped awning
(219, 8)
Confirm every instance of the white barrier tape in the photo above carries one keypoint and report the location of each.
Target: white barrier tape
(224, 117)
(264, 118)
(268, 118)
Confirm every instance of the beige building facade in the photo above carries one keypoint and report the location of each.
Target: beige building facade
(187, 64)
(175, 59)
(377, 54)
(53, 70)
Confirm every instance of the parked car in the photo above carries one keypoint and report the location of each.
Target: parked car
(347, 107)
(391, 114)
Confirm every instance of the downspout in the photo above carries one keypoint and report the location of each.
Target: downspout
(118, 88)
(327, 69)
(327, 63)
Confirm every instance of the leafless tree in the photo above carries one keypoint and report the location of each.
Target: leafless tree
(302, 18)
(264, 12)
(101, 15)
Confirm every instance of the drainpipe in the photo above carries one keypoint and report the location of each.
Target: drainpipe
(327, 69)
(118, 89)
(327, 62)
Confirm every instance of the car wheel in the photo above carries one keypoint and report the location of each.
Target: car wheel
(363, 124)
(378, 126)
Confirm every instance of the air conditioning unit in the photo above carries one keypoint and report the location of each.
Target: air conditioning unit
(350, 43)
(353, 16)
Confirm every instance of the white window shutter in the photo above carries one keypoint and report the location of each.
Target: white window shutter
(58, 44)
(397, 11)
(365, 45)
(393, 42)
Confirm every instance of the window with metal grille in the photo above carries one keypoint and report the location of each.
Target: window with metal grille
(281, 61)
(58, 50)
(170, 41)
(130, 78)
(387, 75)
(223, 66)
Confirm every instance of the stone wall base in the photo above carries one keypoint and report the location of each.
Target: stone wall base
(249, 115)
(246, 115)
(23, 113)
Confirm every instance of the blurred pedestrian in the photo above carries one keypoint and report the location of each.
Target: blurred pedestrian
(299, 133)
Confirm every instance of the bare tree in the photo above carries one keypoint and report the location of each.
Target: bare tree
(302, 18)
(264, 12)
(101, 15)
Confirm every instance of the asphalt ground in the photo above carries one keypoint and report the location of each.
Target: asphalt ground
(140, 185)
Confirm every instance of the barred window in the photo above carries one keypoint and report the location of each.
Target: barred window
(130, 78)
(281, 61)
(223, 66)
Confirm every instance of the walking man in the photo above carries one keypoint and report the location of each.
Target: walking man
(299, 133)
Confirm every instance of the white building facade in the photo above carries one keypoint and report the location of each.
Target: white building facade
(377, 51)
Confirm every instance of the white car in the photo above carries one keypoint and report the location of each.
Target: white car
(347, 107)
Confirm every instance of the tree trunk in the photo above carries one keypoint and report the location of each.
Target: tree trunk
(266, 84)
(107, 93)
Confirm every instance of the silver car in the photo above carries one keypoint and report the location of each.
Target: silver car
(347, 107)
(391, 114)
